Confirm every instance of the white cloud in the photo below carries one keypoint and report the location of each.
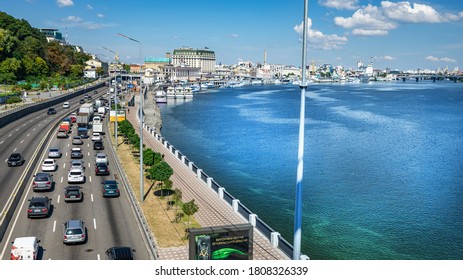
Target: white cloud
(72, 19)
(378, 20)
(89, 7)
(406, 12)
(100, 15)
(388, 57)
(234, 35)
(318, 40)
(340, 4)
(64, 3)
(368, 21)
(442, 59)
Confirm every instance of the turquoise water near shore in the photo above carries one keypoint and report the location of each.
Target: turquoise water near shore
(383, 171)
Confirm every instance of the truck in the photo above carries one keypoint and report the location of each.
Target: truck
(25, 248)
(84, 115)
(101, 111)
(98, 127)
(82, 132)
(65, 125)
(99, 103)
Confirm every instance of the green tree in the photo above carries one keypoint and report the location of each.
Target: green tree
(150, 157)
(190, 208)
(160, 172)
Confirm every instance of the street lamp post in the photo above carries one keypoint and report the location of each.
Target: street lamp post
(141, 116)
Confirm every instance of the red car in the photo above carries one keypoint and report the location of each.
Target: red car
(73, 118)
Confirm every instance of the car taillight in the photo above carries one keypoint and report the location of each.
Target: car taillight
(117, 191)
(65, 237)
(35, 184)
(48, 183)
(44, 210)
(29, 210)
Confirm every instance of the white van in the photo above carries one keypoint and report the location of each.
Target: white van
(25, 248)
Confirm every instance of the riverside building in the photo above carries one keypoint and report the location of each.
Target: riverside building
(195, 58)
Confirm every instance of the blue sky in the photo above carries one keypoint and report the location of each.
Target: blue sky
(397, 34)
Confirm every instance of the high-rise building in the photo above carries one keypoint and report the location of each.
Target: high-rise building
(203, 59)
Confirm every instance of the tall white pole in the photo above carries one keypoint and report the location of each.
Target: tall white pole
(300, 154)
(141, 117)
(142, 191)
(115, 101)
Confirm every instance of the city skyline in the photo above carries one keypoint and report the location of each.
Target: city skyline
(396, 35)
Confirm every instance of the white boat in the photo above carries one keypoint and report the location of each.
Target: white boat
(160, 96)
(170, 93)
(195, 88)
(179, 92)
(187, 92)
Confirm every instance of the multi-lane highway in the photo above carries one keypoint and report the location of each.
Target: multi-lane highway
(109, 221)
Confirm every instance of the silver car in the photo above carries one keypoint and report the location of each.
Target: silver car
(42, 182)
(77, 164)
(74, 232)
(77, 140)
(54, 153)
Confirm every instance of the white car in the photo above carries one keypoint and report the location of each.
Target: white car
(96, 136)
(49, 165)
(76, 176)
(66, 105)
(101, 157)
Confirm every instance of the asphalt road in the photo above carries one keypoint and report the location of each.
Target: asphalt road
(109, 221)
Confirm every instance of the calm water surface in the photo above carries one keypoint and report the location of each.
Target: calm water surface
(383, 163)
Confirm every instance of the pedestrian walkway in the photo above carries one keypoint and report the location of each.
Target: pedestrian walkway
(213, 211)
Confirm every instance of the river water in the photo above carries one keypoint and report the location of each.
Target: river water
(383, 163)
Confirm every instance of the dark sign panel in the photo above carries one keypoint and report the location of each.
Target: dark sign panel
(231, 242)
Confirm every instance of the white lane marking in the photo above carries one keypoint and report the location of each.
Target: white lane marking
(24, 124)
(10, 135)
(91, 197)
(6, 160)
(34, 129)
(64, 165)
(66, 153)
(94, 223)
(2, 142)
(98, 256)
(54, 226)
(88, 145)
(17, 129)
(62, 178)
(40, 124)
(22, 141)
(28, 134)
(88, 153)
(15, 150)
(69, 145)
(89, 164)
(90, 178)
(57, 201)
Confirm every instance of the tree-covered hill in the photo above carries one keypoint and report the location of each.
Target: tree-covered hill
(25, 54)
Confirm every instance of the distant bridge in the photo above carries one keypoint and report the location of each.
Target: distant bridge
(433, 77)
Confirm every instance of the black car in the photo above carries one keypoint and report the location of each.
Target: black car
(38, 207)
(51, 111)
(101, 169)
(95, 92)
(73, 193)
(15, 159)
(98, 145)
(82, 101)
(120, 253)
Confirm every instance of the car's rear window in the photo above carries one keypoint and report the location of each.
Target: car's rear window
(41, 178)
(76, 173)
(74, 231)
